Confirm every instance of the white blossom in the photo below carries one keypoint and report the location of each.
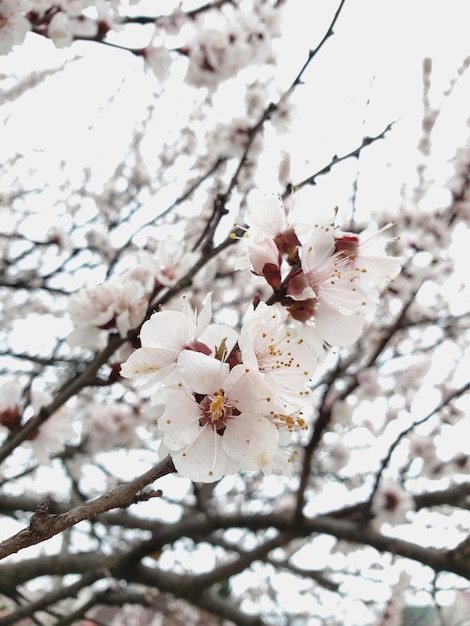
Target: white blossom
(109, 426)
(165, 335)
(169, 262)
(224, 432)
(52, 435)
(118, 305)
(287, 356)
(10, 398)
(391, 503)
(13, 24)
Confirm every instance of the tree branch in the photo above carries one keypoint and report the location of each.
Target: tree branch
(43, 525)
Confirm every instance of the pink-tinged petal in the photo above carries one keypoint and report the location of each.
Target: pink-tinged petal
(167, 329)
(263, 252)
(204, 460)
(251, 441)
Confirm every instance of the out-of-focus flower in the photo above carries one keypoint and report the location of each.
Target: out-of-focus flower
(117, 305)
(392, 614)
(53, 434)
(169, 262)
(109, 426)
(10, 397)
(391, 503)
(13, 24)
(158, 60)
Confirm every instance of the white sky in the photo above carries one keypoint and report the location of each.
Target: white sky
(375, 56)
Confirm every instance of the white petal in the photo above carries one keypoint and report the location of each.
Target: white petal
(266, 213)
(155, 362)
(215, 334)
(335, 328)
(199, 372)
(167, 329)
(251, 441)
(205, 314)
(179, 423)
(204, 460)
(248, 391)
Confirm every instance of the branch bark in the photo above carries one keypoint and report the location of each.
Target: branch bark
(43, 525)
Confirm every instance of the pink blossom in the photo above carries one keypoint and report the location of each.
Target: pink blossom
(266, 259)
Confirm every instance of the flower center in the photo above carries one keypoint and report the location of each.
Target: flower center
(217, 408)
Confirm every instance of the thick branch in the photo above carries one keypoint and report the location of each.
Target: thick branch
(44, 526)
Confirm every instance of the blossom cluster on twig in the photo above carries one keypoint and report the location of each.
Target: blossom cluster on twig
(229, 401)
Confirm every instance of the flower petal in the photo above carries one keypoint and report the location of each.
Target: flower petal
(251, 441)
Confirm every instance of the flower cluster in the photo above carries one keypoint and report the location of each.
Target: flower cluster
(229, 401)
(62, 22)
(51, 436)
(322, 275)
(117, 305)
(234, 42)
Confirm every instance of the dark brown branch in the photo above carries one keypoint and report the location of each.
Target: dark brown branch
(44, 525)
(48, 599)
(119, 566)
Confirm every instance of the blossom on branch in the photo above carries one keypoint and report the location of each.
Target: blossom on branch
(164, 337)
(117, 305)
(214, 422)
(13, 24)
(226, 401)
(10, 397)
(330, 279)
(391, 503)
(287, 356)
